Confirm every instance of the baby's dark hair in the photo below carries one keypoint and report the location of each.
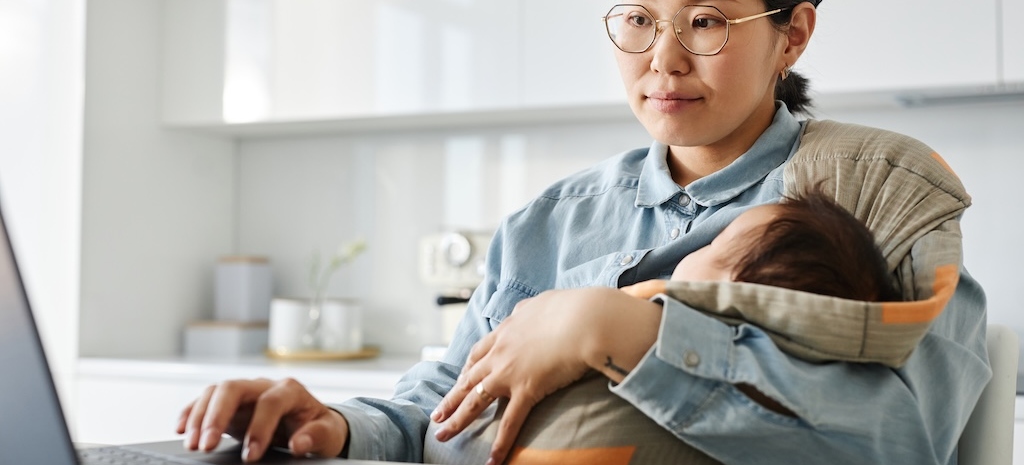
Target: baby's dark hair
(794, 91)
(815, 245)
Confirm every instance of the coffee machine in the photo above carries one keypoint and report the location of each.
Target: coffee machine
(452, 263)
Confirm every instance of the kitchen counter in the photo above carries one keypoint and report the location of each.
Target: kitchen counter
(377, 373)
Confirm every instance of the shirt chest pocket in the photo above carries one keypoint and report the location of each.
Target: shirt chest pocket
(504, 300)
(601, 271)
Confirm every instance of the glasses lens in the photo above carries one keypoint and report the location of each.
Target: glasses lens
(703, 30)
(631, 27)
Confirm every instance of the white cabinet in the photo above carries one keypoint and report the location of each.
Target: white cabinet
(421, 63)
(567, 57)
(286, 60)
(874, 45)
(126, 401)
(1013, 40)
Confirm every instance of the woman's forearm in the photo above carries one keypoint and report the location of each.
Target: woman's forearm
(623, 329)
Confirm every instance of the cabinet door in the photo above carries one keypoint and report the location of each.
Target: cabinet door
(868, 45)
(567, 57)
(287, 60)
(345, 57)
(1013, 40)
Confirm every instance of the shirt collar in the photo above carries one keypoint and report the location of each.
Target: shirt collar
(770, 150)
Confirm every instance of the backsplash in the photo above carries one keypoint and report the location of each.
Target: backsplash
(297, 194)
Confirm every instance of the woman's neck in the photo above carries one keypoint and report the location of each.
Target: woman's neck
(688, 164)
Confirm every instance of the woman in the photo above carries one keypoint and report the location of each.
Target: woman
(717, 96)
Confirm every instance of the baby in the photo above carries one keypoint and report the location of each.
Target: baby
(807, 243)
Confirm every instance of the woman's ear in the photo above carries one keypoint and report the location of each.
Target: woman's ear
(798, 35)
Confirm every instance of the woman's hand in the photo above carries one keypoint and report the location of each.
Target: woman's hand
(548, 342)
(263, 413)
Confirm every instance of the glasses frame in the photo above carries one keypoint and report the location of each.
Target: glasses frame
(676, 31)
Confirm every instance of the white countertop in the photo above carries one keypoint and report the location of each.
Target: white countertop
(379, 372)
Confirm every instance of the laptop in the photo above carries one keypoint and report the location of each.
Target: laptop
(32, 427)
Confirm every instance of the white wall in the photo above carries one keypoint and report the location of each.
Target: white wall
(158, 205)
(41, 70)
(983, 144)
(296, 194)
(303, 193)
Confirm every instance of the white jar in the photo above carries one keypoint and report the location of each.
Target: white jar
(341, 326)
(290, 326)
(243, 289)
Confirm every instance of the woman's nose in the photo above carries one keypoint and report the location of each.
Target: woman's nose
(668, 55)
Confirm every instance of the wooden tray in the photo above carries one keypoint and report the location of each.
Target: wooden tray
(367, 352)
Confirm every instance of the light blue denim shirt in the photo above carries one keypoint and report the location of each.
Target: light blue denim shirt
(624, 221)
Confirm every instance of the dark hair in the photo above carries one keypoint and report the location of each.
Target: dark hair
(794, 90)
(815, 245)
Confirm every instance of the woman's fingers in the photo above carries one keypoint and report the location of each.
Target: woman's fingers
(183, 418)
(224, 405)
(287, 414)
(324, 436)
(467, 380)
(512, 420)
(451, 401)
(479, 351)
(262, 413)
(469, 409)
(270, 407)
(193, 422)
(212, 413)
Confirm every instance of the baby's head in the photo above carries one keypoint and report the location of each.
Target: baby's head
(807, 243)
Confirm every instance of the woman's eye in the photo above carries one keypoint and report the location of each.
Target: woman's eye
(706, 22)
(639, 20)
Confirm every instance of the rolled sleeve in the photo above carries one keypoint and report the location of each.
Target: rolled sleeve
(852, 413)
(363, 442)
(697, 346)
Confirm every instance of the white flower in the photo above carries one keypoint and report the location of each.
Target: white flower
(320, 278)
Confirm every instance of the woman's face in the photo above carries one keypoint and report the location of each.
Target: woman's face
(688, 100)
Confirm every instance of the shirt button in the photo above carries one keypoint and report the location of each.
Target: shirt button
(691, 359)
(684, 200)
(674, 234)
(626, 260)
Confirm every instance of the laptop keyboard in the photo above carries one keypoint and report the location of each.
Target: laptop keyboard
(122, 455)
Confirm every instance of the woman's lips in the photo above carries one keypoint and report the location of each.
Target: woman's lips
(670, 102)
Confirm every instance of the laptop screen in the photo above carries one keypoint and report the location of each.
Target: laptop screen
(32, 428)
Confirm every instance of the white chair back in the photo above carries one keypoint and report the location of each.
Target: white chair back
(988, 437)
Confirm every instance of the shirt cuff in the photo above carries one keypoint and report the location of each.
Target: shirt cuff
(363, 442)
(689, 361)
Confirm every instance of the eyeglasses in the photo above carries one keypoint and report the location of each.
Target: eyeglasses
(702, 30)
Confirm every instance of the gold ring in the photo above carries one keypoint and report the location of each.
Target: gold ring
(484, 395)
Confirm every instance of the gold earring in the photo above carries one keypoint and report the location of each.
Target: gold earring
(784, 73)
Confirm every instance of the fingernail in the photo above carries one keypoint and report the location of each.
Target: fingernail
(302, 444)
(436, 415)
(251, 451)
(441, 435)
(209, 436)
(490, 461)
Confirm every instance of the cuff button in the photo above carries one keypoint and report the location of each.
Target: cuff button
(691, 358)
